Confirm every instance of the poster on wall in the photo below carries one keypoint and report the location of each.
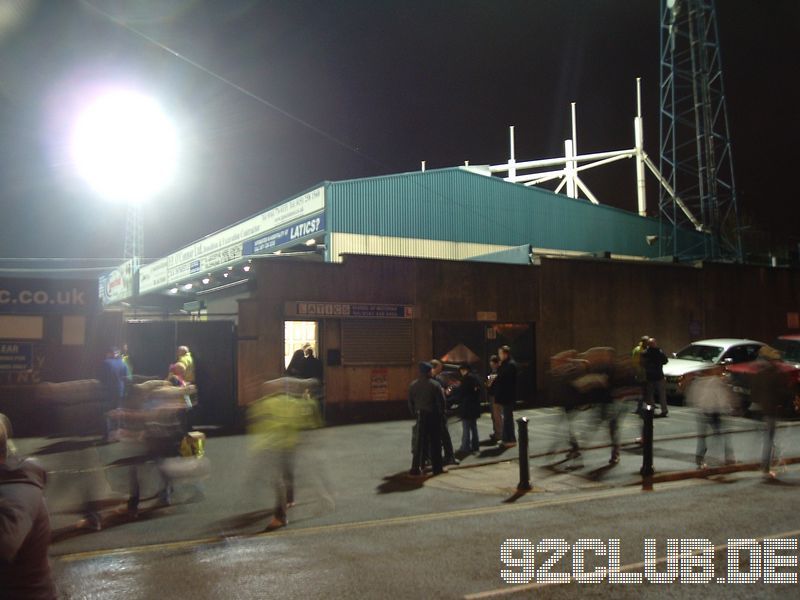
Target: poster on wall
(379, 385)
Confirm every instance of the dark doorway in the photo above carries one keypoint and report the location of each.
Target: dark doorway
(152, 347)
(475, 342)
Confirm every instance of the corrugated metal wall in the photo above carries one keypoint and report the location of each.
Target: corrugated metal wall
(459, 206)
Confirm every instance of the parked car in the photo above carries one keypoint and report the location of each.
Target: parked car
(739, 375)
(706, 354)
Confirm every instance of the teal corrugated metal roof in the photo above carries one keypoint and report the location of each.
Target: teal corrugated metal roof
(461, 206)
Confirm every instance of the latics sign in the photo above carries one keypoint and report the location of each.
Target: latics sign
(291, 234)
(350, 310)
(15, 357)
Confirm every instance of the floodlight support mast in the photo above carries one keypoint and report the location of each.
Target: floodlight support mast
(573, 163)
(134, 234)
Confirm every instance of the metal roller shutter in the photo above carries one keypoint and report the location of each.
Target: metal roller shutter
(377, 342)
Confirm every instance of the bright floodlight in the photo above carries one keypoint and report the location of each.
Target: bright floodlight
(124, 146)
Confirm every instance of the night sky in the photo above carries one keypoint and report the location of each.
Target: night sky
(371, 87)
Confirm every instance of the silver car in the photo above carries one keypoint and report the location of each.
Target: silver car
(706, 354)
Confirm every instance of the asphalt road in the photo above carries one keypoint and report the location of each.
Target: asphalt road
(362, 529)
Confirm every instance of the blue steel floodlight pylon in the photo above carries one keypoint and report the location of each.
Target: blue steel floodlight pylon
(695, 142)
(134, 235)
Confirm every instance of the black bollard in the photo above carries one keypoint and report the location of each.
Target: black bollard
(647, 447)
(524, 484)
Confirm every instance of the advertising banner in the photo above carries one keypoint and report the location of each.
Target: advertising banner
(117, 285)
(47, 296)
(227, 245)
(286, 236)
(15, 357)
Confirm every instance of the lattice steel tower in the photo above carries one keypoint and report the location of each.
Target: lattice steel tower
(695, 152)
(134, 234)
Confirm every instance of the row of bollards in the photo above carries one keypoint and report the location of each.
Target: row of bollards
(648, 412)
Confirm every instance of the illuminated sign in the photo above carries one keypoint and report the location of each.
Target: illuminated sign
(357, 310)
(291, 234)
(118, 284)
(228, 245)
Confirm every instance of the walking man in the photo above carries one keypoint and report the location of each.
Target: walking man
(505, 394)
(771, 389)
(425, 398)
(653, 361)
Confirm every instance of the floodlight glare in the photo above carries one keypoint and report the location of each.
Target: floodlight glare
(124, 146)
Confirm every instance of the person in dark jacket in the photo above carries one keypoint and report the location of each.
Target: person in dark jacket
(425, 399)
(295, 366)
(312, 366)
(771, 388)
(505, 394)
(468, 397)
(114, 377)
(444, 385)
(24, 529)
(652, 361)
(497, 411)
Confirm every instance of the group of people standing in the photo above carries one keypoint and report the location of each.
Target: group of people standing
(431, 394)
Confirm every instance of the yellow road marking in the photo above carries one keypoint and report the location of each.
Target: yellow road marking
(387, 522)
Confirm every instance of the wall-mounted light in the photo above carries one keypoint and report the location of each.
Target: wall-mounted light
(225, 274)
(173, 290)
(188, 286)
(206, 280)
(311, 242)
(246, 268)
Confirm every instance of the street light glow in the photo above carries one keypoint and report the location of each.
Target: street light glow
(124, 146)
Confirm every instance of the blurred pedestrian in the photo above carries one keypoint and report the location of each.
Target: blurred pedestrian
(157, 422)
(565, 368)
(653, 360)
(24, 528)
(713, 399)
(597, 386)
(445, 387)
(771, 389)
(497, 410)
(468, 396)
(274, 423)
(505, 394)
(641, 376)
(425, 399)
